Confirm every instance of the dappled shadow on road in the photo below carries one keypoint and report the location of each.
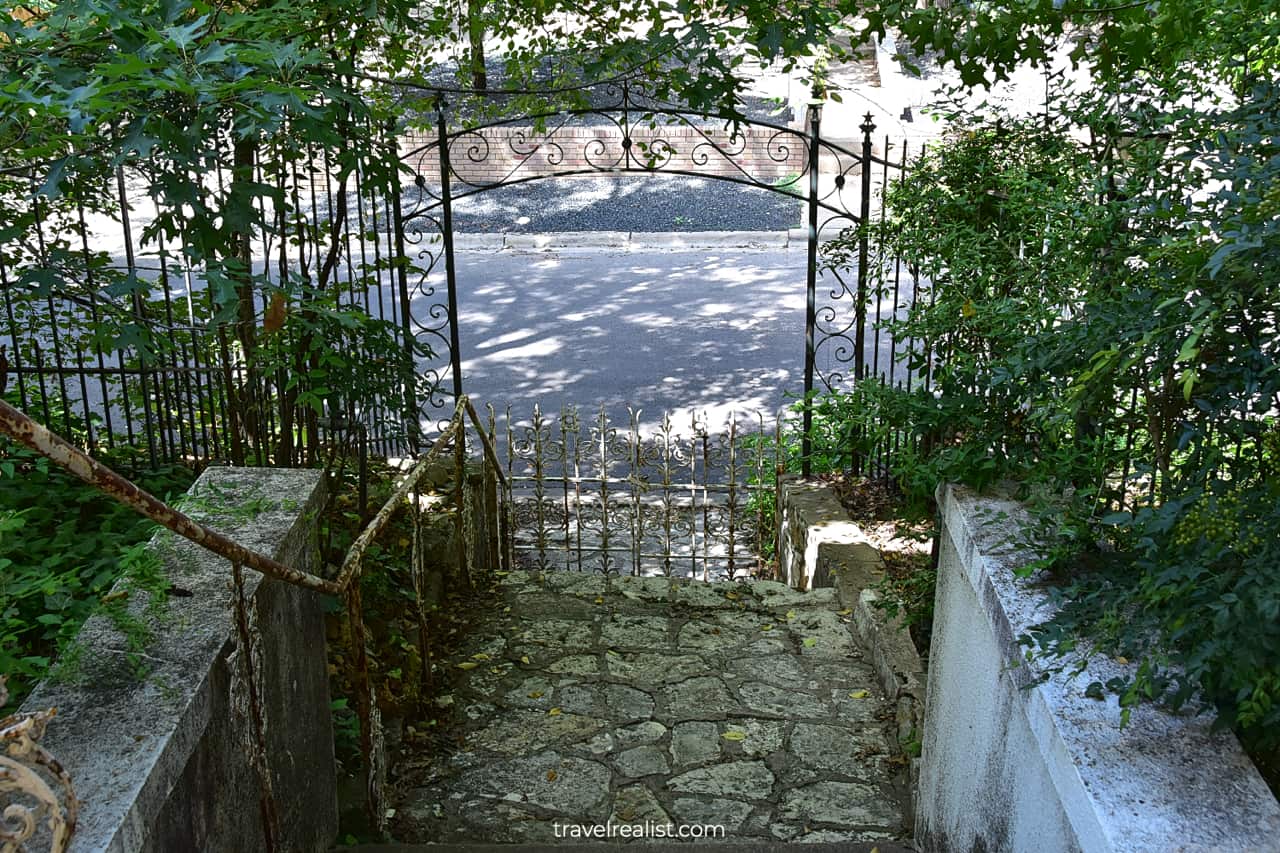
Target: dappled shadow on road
(705, 330)
(647, 203)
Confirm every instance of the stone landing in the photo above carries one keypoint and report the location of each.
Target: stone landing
(586, 700)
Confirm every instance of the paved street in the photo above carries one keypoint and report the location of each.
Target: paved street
(712, 330)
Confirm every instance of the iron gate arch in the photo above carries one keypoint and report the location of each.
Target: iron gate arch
(635, 137)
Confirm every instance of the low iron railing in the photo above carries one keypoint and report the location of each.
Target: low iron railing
(683, 500)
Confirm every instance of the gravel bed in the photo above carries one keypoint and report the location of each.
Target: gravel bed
(646, 203)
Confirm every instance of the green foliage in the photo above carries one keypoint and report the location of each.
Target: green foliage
(63, 545)
(1101, 327)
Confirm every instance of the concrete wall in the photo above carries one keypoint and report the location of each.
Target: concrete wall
(158, 757)
(1014, 764)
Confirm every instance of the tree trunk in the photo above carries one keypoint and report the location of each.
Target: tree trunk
(475, 34)
(244, 399)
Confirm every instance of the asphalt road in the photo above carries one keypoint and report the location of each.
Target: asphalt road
(708, 330)
(712, 331)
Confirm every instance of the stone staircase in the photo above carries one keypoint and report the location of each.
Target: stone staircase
(584, 701)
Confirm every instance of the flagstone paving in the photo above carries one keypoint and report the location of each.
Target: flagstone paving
(583, 699)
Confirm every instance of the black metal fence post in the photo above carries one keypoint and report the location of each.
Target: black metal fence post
(811, 287)
(412, 418)
(446, 221)
(864, 236)
(451, 278)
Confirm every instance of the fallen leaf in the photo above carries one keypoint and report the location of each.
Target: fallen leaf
(554, 712)
(810, 642)
(858, 694)
(551, 775)
(479, 656)
(766, 627)
(524, 659)
(403, 543)
(791, 614)
(847, 611)
(468, 664)
(599, 600)
(733, 734)
(537, 694)
(1122, 660)
(733, 596)
(273, 317)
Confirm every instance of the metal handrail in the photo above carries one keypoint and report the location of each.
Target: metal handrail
(58, 450)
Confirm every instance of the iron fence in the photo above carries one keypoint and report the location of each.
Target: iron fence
(117, 336)
(115, 330)
(683, 500)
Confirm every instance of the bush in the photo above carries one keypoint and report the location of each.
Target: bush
(1105, 332)
(63, 545)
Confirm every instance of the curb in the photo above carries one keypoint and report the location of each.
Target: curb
(830, 550)
(632, 240)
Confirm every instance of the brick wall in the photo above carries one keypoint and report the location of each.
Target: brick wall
(493, 154)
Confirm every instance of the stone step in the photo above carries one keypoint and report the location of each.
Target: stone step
(581, 702)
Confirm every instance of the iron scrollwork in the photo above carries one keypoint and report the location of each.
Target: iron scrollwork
(591, 496)
(37, 789)
(625, 131)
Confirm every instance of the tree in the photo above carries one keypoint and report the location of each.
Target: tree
(1104, 292)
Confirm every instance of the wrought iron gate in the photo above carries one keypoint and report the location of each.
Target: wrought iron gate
(186, 394)
(630, 133)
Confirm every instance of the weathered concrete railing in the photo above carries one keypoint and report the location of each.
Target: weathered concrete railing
(1012, 764)
(159, 743)
(470, 552)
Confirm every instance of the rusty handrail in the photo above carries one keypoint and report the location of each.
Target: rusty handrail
(61, 452)
(355, 554)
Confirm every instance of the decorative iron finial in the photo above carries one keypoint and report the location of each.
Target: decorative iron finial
(868, 125)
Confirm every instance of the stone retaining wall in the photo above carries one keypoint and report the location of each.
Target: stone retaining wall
(1014, 763)
(817, 541)
(158, 757)
(497, 153)
(818, 546)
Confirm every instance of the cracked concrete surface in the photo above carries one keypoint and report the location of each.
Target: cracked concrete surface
(582, 699)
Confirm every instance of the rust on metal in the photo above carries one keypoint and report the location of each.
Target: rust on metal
(355, 554)
(35, 436)
(26, 431)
